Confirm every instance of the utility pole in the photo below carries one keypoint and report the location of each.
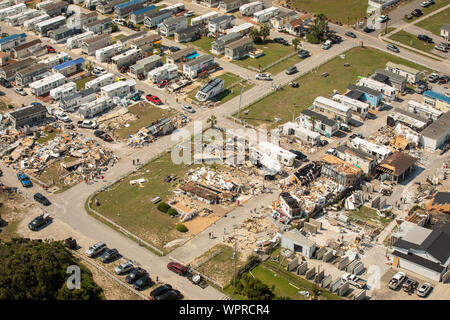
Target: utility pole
(235, 258)
(240, 99)
(385, 31)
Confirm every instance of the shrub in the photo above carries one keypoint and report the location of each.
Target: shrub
(181, 227)
(163, 207)
(172, 212)
(252, 261)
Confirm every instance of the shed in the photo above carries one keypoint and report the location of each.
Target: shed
(296, 242)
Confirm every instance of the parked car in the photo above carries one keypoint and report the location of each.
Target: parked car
(263, 76)
(103, 135)
(335, 39)
(142, 282)
(120, 21)
(392, 48)
(397, 280)
(160, 290)
(88, 124)
(383, 18)
(63, 117)
(20, 91)
(153, 99)
(441, 48)
(50, 49)
(161, 84)
(169, 295)
(189, 13)
(177, 268)
(326, 45)
(291, 70)
(443, 79)
(424, 289)
(425, 38)
(299, 155)
(41, 199)
(331, 151)
(303, 54)
(98, 71)
(134, 275)
(368, 29)
(5, 83)
(433, 77)
(109, 255)
(174, 49)
(356, 135)
(95, 249)
(280, 40)
(408, 16)
(416, 13)
(188, 108)
(425, 4)
(350, 34)
(136, 97)
(124, 268)
(39, 222)
(410, 285)
(24, 180)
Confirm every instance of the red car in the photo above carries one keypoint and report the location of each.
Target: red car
(50, 49)
(154, 99)
(161, 84)
(177, 268)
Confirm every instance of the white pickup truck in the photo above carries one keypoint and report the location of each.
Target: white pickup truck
(397, 280)
(354, 280)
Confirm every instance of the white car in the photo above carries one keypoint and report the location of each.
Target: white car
(123, 267)
(424, 289)
(331, 151)
(189, 13)
(397, 280)
(63, 117)
(426, 3)
(383, 18)
(188, 108)
(20, 91)
(95, 249)
(326, 45)
(263, 76)
(122, 22)
(98, 71)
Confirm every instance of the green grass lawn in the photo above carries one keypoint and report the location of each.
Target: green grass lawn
(204, 43)
(289, 102)
(49, 136)
(82, 82)
(147, 114)
(435, 22)
(412, 41)
(344, 11)
(438, 4)
(272, 52)
(366, 214)
(131, 206)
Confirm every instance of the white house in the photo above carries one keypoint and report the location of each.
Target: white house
(172, 25)
(30, 24)
(276, 153)
(411, 74)
(20, 18)
(357, 106)
(388, 91)
(193, 67)
(55, 59)
(127, 58)
(63, 91)
(250, 8)
(381, 152)
(265, 15)
(9, 11)
(103, 54)
(304, 134)
(445, 31)
(165, 72)
(333, 109)
(43, 86)
(423, 110)
(101, 81)
(205, 18)
(242, 29)
(76, 41)
(45, 26)
(118, 89)
(436, 134)
(72, 102)
(210, 89)
(290, 205)
(95, 107)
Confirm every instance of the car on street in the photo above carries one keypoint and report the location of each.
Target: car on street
(397, 280)
(169, 295)
(87, 124)
(95, 249)
(433, 77)
(303, 53)
(160, 290)
(335, 38)
(291, 70)
(39, 222)
(188, 108)
(410, 285)
(424, 289)
(440, 47)
(20, 91)
(392, 48)
(383, 18)
(425, 38)
(63, 117)
(416, 13)
(350, 34)
(24, 180)
(109, 255)
(368, 29)
(124, 268)
(263, 76)
(134, 275)
(326, 45)
(153, 99)
(41, 199)
(142, 282)
(174, 49)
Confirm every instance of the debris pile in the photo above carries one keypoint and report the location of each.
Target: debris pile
(401, 138)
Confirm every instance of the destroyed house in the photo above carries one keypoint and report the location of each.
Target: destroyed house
(160, 128)
(381, 152)
(322, 124)
(200, 193)
(309, 172)
(409, 119)
(439, 203)
(357, 158)
(423, 251)
(340, 171)
(397, 166)
(290, 205)
(28, 116)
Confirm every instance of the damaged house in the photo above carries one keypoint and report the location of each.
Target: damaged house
(397, 166)
(340, 171)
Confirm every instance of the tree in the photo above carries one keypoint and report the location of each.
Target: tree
(114, 28)
(89, 67)
(181, 227)
(163, 207)
(35, 270)
(318, 30)
(264, 31)
(295, 43)
(253, 288)
(254, 34)
(172, 212)
(212, 120)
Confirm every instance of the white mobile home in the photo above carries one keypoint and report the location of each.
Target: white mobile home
(142, 67)
(56, 59)
(43, 4)
(6, 4)
(72, 102)
(250, 8)
(193, 67)
(172, 25)
(139, 15)
(76, 41)
(242, 29)
(63, 91)
(266, 14)
(10, 11)
(304, 134)
(101, 81)
(118, 89)
(20, 18)
(276, 153)
(381, 152)
(44, 27)
(210, 89)
(103, 54)
(12, 41)
(388, 91)
(90, 45)
(43, 86)
(205, 19)
(31, 24)
(333, 109)
(422, 110)
(155, 18)
(127, 58)
(174, 9)
(165, 72)
(95, 107)
(357, 106)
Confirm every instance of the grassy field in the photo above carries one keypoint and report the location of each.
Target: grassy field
(49, 136)
(289, 102)
(435, 22)
(438, 4)
(147, 114)
(82, 82)
(130, 206)
(369, 215)
(204, 43)
(53, 173)
(345, 11)
(272, 52)
(412, 41)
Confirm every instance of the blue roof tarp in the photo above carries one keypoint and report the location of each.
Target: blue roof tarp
(69, 64)
(149, 8)
(129, 3)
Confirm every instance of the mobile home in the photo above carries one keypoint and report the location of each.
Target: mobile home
(381, 152)
(210, 89)
(389, 93)
(205, 19)
(174, 9)
(90, 45)
(155, 18)
(75, 41)
(142, 67)
(56, 59)
(118, 89)
(332, 109)
(72, 102)
(106, 6)
(165, 72)
(250, 8)
(104, 54)
(28, 74)
(357, 106)
(127, 58)
(10, 11)
(95, 107)
(276, 153)
(304, 134)
(242, 29)
(45, 26)
(31, 24)
(101, 81)
(70, 67)
(139, 15)
(266, 14)
(43, 86)
(172, 25)
(12, 41)
(63, 91)
(422, 110)
(125, 9)
(20, 18)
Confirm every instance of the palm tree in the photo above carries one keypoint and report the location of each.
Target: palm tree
(212, 120)
(313, 122)
(89, 67)
(295, 43)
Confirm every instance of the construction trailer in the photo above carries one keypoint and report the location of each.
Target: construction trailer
(174, 9)
(423, 110)
(104, 54)
(143, 67)
(63, 91)
(90, 45)
(127, 58)
(250, 8)
(56, 59)
(101, 81)
(242, 29)
(20, 18)
(294, 129)
(357, 106)
(76, 41)
(204, 19)
(333, 109)
(97, 106)
(118, 89)
(45, 26)
(165, 72)
(123, 10)
(210, 89)
(43, 86)
(29, 74)
(31, 24)
(70, 67)
(107, 6)
(12, 41)
(389, 93)
(72, 102)
(139, 15)
(155, 18)
(172, 25)
(10, 11)
(266, 14)
(194, 67)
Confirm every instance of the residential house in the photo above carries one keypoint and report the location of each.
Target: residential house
(437, 134)
(96, 107)
(147, 43)
(436, 100)
(357, 158)
(139, 15)
(142, 67)
(281, 21)
(411, 74)
(239, 49)
(172, 25)
(28, 116)
(118, 89)
(412, 120)
(218, 45)
(397, 166)
(107, 6)
(294, 129)
(123, 10)
(99, 26)
(389, 93)
(165, 72)
(27, 49)
(423, 110)
(322, 124)
(340, 171)
(12, 41)
(71, 103)
(195, 66)
(358, 107)
(445, 31)
(127, 58)
(61, 34)
(365, 94)
(29, 74)
(127, 40)
(45, 26)
(332, 109)
(390, 78)
(231, 5)
(189, 34)
(100, 81)
(220, 24)
(182, 55)
(90, 45)
(8, 72)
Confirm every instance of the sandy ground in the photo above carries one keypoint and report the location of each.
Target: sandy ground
(198, 224)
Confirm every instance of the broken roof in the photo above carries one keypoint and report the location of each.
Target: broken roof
(357, 152)
(340, 165)
(440, 202)
(397, 163)
(200, 192)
